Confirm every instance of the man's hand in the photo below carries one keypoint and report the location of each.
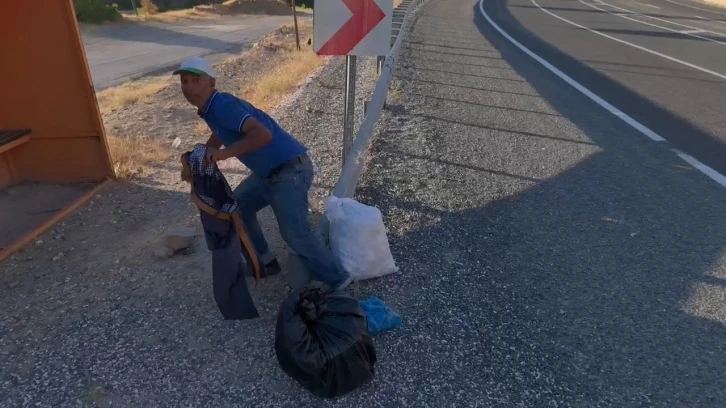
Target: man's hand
(214, 155)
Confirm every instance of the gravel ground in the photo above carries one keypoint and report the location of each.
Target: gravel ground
(107, 323)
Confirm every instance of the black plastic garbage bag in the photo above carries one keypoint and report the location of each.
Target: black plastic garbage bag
(322, 341)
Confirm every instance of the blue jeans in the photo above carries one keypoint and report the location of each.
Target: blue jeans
(287, 193)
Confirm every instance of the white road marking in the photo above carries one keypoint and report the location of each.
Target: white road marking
(659, 19)
(711, 173)
(610, 108)
(650, 5)
(685, 32)
(648, 50)
(708, 19)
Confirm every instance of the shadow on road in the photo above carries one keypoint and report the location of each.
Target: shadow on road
(156, 33)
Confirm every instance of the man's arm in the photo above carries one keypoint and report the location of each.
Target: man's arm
(254, 136)
(214, 141)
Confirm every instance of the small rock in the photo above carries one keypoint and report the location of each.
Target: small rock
(14, 284)
(58, 257)
(179, 238)
(60, 236)
(164, 252)
(176, 143)
(39, 242)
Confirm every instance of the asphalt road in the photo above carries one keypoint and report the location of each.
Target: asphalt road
(551, 254)
(117, 53)
(662, 63)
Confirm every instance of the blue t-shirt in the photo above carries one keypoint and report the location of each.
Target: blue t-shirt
(225, 114)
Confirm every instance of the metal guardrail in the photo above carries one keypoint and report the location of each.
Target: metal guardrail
(353, 165)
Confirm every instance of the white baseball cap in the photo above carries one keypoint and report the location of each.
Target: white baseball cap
(196, 65)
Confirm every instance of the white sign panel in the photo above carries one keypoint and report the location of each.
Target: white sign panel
(352, 27)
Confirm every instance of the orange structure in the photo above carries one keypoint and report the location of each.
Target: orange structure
(51, 130)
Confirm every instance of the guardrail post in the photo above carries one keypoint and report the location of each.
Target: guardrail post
(349, 109)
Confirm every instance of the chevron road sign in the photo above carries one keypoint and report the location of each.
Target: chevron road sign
(352, 27)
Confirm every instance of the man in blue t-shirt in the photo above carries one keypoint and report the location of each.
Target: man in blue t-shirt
(282, 172)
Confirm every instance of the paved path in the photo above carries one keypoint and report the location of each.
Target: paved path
(117, 53)
(551, 254)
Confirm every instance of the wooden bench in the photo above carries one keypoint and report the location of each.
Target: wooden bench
(10, 139)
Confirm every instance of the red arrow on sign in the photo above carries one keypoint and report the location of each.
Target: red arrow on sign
(366, 16)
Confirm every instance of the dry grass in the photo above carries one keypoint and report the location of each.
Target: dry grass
(129, 93)
(148, 7)
(268, 89)
(132, 156)
(395, 92)
(228, 8)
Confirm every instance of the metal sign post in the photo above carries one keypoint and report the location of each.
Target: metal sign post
(351, 28)
(349, 109)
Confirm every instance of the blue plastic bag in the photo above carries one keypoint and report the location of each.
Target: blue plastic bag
(380, 317)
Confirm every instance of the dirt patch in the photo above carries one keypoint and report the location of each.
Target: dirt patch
(130, 93)
(228, 8)
(144, 119)
(25, 206)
